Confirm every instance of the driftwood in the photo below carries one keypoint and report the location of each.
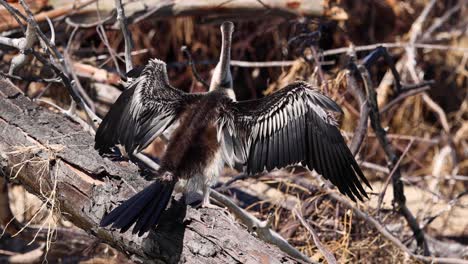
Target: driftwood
(53, 158)
(83, 12)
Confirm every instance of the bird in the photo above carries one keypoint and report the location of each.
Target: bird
(293, 126)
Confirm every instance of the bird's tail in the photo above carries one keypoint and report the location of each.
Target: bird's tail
(144, 208)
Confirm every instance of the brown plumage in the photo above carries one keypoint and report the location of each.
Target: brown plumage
(193, 144)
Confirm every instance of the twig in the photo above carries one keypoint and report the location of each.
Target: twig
(439, 21)
(53, 51)
(26, 45)
(417, 26)
(228, 8)
(402, 137)
(89, 25)
(415, 33)
(53, 13)
(68, 63)
(15, 14)
(383, 231)
(30, 78)
(398, 188)
(376, 224)
(329, 257)
(127, 36)
(239, 177)
(261, 64)
(102, 34)
(394, 45)
(323, 79)
(23, 45)
(361, 129)
(262, 228)
(195, 73)
(438, 110)
(390, 175)
(374, 166)
(403, 96)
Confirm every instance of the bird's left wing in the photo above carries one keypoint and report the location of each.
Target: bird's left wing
(289, 127)
(143, 111)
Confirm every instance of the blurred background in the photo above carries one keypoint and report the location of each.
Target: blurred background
(273, 46)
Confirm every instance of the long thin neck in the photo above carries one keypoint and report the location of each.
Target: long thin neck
(222, 72)
(225, 56)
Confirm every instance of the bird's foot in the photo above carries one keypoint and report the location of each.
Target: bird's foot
(208, 205)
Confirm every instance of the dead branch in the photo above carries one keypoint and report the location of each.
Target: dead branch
(41, 17)
(57, 63)
(232, 9)
(361, 129)
(396, 45)
(398, 188)
(370, 220)
(127, 37)
(325, 252)
(87, 184)
(379, 227)
(262, 228)
(23, 45)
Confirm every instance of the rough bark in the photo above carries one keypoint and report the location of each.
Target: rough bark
(44, 151)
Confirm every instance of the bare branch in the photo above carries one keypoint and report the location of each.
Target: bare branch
(223, 8)
(127, 36)
(396, 45)
(261, 228)
(325, 252)
(361, 129)
(398, 189)
(53, 52)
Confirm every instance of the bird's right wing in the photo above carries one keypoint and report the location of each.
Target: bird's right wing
(143, 111)
(289, 127)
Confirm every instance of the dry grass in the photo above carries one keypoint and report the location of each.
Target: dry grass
(42, 212)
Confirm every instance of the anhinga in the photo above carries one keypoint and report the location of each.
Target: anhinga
(291, 126)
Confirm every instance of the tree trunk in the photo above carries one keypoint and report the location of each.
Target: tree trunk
(53, 158)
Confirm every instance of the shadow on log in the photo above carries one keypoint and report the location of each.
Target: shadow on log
(55, 160)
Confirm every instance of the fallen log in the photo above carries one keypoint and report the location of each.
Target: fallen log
(83, 12)
(53, 158)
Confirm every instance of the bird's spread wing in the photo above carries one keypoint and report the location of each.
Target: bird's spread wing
(143, 111)
(289, 127)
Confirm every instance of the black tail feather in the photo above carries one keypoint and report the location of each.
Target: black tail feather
(132, 212)
(144, 208)
(149, 210)
(153, 219)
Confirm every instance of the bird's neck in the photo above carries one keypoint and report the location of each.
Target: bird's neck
(222, 74)
(225, 56)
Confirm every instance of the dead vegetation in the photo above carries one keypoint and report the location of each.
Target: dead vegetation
(427, 127)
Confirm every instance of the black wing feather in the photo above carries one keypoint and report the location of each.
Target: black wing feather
(105, 136)
(297, 128)
(143, 111)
